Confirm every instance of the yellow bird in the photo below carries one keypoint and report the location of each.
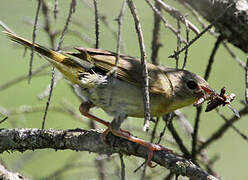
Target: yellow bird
(89, 72)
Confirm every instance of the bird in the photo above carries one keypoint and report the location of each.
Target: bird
(117, 88)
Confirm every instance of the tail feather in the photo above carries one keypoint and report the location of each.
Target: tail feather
(69, 67)
(38, 48)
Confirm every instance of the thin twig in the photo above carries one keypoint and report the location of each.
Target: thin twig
(144, 65)
(48, 99)
(156, 36)
(33, 40)
(96, 24)
(178, 41)
(4, 119)
(123, 167)
(211, 59)
(233, 127)
(178, 140)
(178, 15)
(153, 135)
(166, 24)
(71, 10)
(218, 133)
(166, 118)
(200, 34)
(246, 81)
(195, 133)
(56, 9)
(118, 48)
(187, 50)
(47, 24)
(239, 61)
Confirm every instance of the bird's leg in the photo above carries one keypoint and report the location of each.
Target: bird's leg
(84, 109)
(114, 127)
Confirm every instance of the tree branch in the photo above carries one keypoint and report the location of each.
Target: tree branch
(233, 26)
(22, 139)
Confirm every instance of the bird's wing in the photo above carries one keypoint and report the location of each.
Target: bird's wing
(129, 68)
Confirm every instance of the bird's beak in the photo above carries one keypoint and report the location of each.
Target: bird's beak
(207, 90)
(207, 93)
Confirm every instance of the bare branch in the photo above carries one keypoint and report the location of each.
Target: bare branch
(203, 32)
(166, 24)
(233, 25)
(178, 15)
(144, 65)
(22, 139)
(33, 40)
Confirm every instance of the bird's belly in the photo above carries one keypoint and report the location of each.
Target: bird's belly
(122, 97)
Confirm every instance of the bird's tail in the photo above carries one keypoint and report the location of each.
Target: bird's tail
(66, 65)
(38, 48)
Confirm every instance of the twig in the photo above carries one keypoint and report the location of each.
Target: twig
(218, 133)
(178, 42)
(239, 61)
(178, 140)
(105, 21)
(71, 10)
(211, 59)
(144, 65)
(33, 40)
(200, 34)
(47, 26)
(4, 119)
(154, 130)
(118, 48)
(233, 127)
(76, 139)
(187, 50)
(123, 176)
(246, 81)
(184, 123)
(48, 99)
(178, 15)
(96, 24)
(166, 118)
(166, 24)
(195, 133)
(56, 9)
(156, 36)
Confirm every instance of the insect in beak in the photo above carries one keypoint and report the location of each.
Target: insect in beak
(216, 99)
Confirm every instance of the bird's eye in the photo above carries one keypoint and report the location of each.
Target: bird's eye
(191, 85)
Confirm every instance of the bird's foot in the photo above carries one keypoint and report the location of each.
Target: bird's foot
(127, 135)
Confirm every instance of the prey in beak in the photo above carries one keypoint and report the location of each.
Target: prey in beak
(216, 99)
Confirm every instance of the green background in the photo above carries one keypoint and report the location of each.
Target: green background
(232, 150)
